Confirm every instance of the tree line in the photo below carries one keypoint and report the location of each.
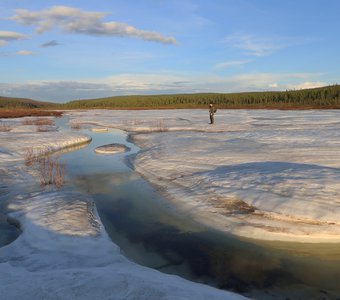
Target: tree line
(23, 103)
(324, 97)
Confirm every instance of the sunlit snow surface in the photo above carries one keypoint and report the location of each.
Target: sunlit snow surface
(265, 174)
(63, 251)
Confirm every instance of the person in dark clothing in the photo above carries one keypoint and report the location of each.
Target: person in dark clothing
(212, 111)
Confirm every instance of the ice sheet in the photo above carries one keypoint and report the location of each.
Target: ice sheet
(265, 174)
(63, 251)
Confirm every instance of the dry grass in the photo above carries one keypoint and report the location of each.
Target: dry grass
(230, 205)
(51, 171)
(49, 168)
(27, 122)
(38, 121)
(134, 122)
(137, 122)
(75, 125)
(44, 128)
(4, 127)
(160, 126)
(29, 157)
(19, 113)
(41, 123)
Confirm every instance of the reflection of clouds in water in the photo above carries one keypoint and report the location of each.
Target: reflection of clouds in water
(102, 183)
(74, 147)
(69, 214)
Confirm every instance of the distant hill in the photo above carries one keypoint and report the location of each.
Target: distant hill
(23, 103)
(323, 97)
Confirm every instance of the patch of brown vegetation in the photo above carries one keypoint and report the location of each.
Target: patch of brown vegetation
(29, 157)
(229, 206)
(38, 121)
(19, 113)
(49, 168)
(290, 219)
(75, 125)
(43, 124)
(51, 171)
(5, 127)
(43, 128)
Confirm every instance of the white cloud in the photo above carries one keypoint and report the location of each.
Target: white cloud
(24, 52)
(265, 79)
(273, 85)
(257, 45)
(6, 36)
(73, 20)
(144, 82)
(232, 63)
(277, 81)
(306, 85)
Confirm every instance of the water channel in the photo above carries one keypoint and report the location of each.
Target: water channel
(153, 233)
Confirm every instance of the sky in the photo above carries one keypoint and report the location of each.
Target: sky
(67, 50)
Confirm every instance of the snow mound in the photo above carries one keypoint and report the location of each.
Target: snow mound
(65, 253)
(99, 129)
(112, 149)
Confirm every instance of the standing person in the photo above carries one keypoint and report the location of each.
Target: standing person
(212, 111)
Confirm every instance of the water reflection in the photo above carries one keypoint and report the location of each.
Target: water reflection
(154, 233)
(74, 148)
(8, 231)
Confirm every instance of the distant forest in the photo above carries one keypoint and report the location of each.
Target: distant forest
(23, 103)
(324, 97)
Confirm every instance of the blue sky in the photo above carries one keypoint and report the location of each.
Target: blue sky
(65, 50)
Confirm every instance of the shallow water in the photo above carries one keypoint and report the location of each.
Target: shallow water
(8, 232)
(151, 232)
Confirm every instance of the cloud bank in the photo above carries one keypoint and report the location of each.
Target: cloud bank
(73, 20)
(163, 83)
